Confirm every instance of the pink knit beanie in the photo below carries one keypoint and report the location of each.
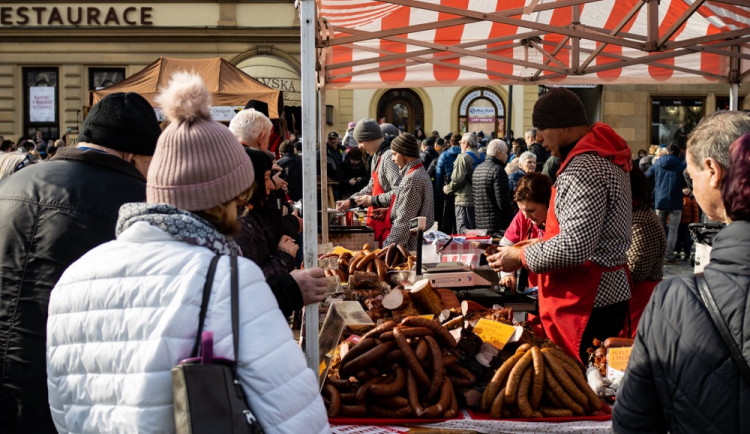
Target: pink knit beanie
(198, 163)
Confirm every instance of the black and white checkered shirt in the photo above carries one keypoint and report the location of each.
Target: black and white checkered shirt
(389, 177)
(593, 208)
(646, 253)
(414, 199)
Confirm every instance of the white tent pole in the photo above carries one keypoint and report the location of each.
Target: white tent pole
(309, 182)
(734, 96)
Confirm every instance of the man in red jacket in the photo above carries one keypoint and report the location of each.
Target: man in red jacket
(582, 261)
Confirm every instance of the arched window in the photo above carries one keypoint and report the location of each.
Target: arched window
(402, 108)
(482, 110)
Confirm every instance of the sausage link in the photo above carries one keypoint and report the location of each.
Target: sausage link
(334, 398)
(496, 408)
(411, 359)
(367, 359)
(391, 388)
(365, 388)
(408, 332)
(358, 410)
(389, 413)
(515, 377)
(443, 403)
(497, 382)
(357, 350)
(538, 383)
(564, 379)
(441, 333)
(421, 350)
(523, 348)
(554, 387)
(379, 330)
(394, 401)
(462, 373)
(522, 398)
(556, 412)
(437, 367)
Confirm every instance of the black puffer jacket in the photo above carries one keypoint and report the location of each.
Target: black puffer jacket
(492, 202)
(681, 377)
(50, 215)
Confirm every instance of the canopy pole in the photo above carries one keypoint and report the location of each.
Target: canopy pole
(734, 96)
(309, 181)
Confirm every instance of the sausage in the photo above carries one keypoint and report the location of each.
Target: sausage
(514, 379)
(523, 348)
(365, 388)
(564, 358)
(360, 348)
(522, 398)
(411, 359)
(394, 356)
(391, 388)
(366, 247)
(556, 412)
(389, 413)
(365, 260)
(443, 403)
(403, 251)
(618, 342)
(594, 402)
(381, 269)
(334, 398)
(554, 388)
(562, 377)
(463, 373)
(355, 261)
(449, 360)
(538, 384)
(441, 333)
(497, 381)
(359, 410)
(421, 350)
(377, 331)
(413, 395)
(437, 367)
(341, 274)
(407, 332)
(453, 408)
(392, 401)
(367, 359)
(389, 253)
(496, 408)
(349, 397)
(340, 383)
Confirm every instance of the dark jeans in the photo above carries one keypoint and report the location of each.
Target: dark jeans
(604, 322)
(684, 240)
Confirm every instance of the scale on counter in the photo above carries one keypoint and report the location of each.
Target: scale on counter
(454, 275)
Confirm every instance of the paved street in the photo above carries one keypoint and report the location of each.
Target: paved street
(681, 267)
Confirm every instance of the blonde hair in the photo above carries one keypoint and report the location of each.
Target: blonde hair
(8, 163)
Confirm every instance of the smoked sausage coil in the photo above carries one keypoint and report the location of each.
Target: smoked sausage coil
(357, 350)
(377, 331)
(367, 359)
(334, 398)
(437, 367)
(411, 359)
(391, 388)
(488, 396)
(441, 333)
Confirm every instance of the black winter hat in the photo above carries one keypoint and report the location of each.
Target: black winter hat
(406, 145)
(559, 108)
(122, 121)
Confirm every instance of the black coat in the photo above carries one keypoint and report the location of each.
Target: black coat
(292, 165)
(681, 377)
(50, 215)
(492, 202)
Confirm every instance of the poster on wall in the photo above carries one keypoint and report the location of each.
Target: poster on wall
(42, 104)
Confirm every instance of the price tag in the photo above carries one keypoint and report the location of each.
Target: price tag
(428, 316)
(321, 368)
(617, 361)
(494, 333)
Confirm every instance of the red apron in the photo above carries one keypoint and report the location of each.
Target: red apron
(381, 227)
(393, 200)
(640, 295)
(566, 297)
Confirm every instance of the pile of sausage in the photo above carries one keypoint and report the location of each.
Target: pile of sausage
(373, 261)
(538, 382)
(406, 370)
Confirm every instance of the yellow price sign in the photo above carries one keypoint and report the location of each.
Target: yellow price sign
(617, 358)
(493, 332)
(321, 368)
(428, 316)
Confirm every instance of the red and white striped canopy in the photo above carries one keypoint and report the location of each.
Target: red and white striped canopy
(417, 43)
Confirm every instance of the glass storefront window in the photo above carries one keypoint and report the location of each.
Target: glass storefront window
(41, 102)
(672, 119)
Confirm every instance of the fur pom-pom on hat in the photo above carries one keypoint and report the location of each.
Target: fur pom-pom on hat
(198, 163)
(185, 98)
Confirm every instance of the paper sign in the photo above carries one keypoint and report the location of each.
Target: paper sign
(428, 316)
(41, 104)
(617, 361)
(494, 333)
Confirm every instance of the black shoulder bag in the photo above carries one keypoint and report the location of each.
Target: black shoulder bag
(718, 320)
(208, 396)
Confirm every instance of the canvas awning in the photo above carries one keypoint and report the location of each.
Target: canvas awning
(229, 86)
(411, 43)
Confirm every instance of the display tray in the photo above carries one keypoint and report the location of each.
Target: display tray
(381, 421)
(349, 229)
(604, 415)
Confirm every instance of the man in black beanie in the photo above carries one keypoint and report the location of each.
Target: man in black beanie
(50, 215)
(414, 196)
(584, 287)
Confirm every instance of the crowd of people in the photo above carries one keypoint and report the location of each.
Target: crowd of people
(106, 247)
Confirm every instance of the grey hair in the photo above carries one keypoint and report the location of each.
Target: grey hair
(496, 146)
(713, 135)
(471, 140)
(528, 155)
(8, 163)
(531, 132)
(250, 125)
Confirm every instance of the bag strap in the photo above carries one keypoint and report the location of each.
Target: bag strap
(713, 310)
(235, 297)
(204, 303)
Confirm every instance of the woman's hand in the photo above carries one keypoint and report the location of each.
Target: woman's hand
(287, 245)
(363, 201)
(509, 281)
(507, 259)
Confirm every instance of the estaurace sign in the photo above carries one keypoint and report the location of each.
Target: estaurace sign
(76, 15)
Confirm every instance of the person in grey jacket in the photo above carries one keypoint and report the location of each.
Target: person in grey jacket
(460, 183)
(680, 376)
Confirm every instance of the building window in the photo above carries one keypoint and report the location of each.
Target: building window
(41, 98)
(672, 119)
(482, 110)
(402, 108)
(722, 103)
(100, 78)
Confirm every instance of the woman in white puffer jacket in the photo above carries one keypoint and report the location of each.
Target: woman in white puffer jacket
(127, 312)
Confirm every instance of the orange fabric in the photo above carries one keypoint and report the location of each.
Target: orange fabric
(603, 141)
(382, 228)
(690, 213)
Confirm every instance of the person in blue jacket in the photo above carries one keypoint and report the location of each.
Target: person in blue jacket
(443, 173)
(668, 182)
